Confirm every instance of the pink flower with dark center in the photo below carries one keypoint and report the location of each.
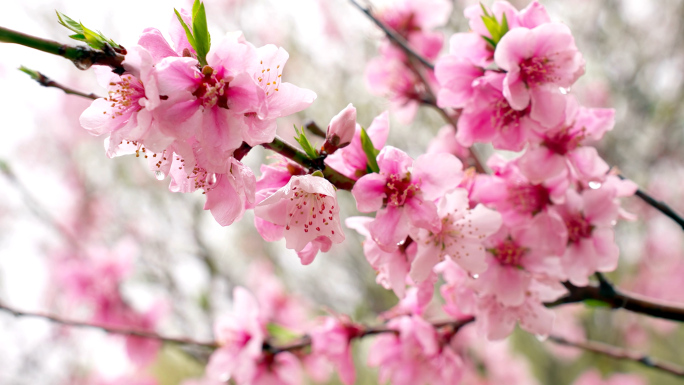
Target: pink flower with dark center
(489, 117)
(332, 340)
(538, 61)
(307, 208)
(404, 192)
(563, 151)
(460, 236)
(509, 191)
(240, 336)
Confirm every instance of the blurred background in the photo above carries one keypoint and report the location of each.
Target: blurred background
(74, 223)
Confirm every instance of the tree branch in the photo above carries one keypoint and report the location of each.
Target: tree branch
(83, 57)
(616, 299)
(47, 82)
(658, 205)
(108, 329)
(394, 36)
(621, 354)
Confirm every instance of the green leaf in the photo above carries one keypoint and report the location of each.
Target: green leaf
(304, 142)
(497, 29)
(200, 32)
(595, 303)
(369, 149)
(188, 33)
(94, 39)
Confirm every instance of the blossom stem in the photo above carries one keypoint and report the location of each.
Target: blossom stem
(47, 82)
(83, 57)
(108, 329)
(616, 299)
(394, 36)
(287, 150)
(314, 129)
(658, 205)
(621, 354)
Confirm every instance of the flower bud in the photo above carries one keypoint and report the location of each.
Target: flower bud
(341, 130)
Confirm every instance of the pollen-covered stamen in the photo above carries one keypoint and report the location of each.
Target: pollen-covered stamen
(578, 228)
(311, 212)
(125, 95)
(537, 71)
(200, 177)
(509, 253)
(399, 189)
(269, 78)
(528, 198)
(212, 89)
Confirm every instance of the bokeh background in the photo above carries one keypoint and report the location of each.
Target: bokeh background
(61, 197)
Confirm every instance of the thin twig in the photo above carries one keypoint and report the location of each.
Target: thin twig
(622, 354)
(108, 329)
(658, 205)
(47, 82)
(314, 129)
(394, 36)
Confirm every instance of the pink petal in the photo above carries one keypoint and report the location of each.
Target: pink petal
(389, 228)
(155, 43)
(369, 192)
(548, 105)
(437, 174)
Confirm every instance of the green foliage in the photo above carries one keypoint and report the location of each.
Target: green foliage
(198, 36)
(496, 29)
(595, 303)
(303, 141)
(35, 75)
(94, 39)
(371, 152)
(281, 334)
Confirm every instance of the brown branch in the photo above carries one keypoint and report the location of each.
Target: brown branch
(394, 36)
(108, 329)
(659, 205)
(621, 354)
(47, 82)
(616, 299)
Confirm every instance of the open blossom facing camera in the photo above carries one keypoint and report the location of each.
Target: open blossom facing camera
(307, 211)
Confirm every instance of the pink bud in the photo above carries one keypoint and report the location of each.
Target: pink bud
(341, 130)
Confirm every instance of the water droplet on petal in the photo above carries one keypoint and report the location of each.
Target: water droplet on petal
(541, 337)
(211, 179)
(594, 185)
(476, 276)
(159, 175)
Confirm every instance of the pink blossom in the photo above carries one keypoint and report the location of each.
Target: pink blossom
(332, 340)
(415, 356)
(445, 142)
(563, 150)
(126, 113)
(489, 117)
(457, 71)
(341, 130)
(228, 194)
(351, 161)
(407, 195)
(513, 195)
(391, 267)
(531, 16)
(240, 335)
(307, 208)
(460, 237)
(538, 61)
(497, 321)
(410, 16)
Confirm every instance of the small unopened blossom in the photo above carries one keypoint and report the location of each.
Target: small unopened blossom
(240, 335)
(307, 208)
(460, 236)
(538, 61)
(340, 130)
(403, 193)
(351, 160)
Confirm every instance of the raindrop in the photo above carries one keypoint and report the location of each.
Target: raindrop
(594, 185)
(564, 91)
(541, 337)
(159, 175)
(476, 276)
(211, 179)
